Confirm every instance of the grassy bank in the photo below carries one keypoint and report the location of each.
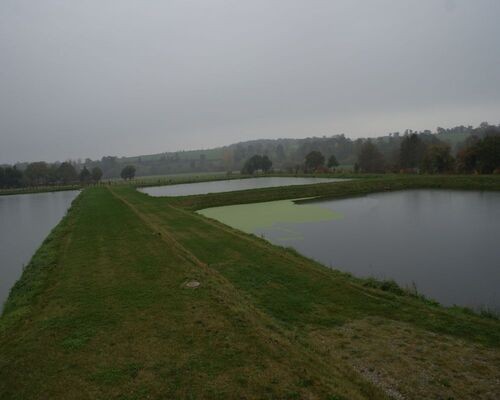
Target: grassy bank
(103, 311)
(141, 181)
(359, 185)
(38, 189)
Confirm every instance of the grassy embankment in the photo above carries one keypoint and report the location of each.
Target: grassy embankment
(38, 189)
(141, 181)
(161, 180)
(102, 311)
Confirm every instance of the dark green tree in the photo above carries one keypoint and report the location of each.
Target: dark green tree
(412, 150)
(370, 159)
(85, 175)
(110, 166)
(438, 159)
(96, 174)
(52, 174)
(466, 161)
(251, 165)
(266, 164)
(488, 154)
(332, 162)
(480, 155)
(66, 173)
(12, 177)
(128, 172)
(37, 173)
(2, 177)
(314, 160)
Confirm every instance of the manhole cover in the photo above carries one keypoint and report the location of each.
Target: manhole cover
(193, 284)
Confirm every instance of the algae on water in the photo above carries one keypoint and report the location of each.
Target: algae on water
(251, 217)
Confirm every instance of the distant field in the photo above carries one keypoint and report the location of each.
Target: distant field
(186, 175)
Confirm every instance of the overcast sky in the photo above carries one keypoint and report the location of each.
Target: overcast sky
(91, 78)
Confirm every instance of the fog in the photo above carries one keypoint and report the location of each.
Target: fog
(91, 78)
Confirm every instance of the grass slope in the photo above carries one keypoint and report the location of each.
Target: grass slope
(38, 189)
(102, 311)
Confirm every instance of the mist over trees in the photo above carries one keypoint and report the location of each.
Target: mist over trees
(314, 160)
(462, 149)
(256, 163)
(437, 159)
(128, 172)
(411, 153)
(96, 174)
(370, 158)
(10, 177)
(289, 154)
(332, 162)
(85, 175)
(40, 173)
(67, 173)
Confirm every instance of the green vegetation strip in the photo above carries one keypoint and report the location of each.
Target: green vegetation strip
(106, 310)
(38, 189)
(363, 184)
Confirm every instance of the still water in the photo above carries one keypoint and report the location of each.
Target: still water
(230, 185)
(446, 243)
(25, 221)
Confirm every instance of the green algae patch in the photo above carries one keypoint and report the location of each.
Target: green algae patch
(250, 217)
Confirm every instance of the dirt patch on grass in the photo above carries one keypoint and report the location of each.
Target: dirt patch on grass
(409, 363)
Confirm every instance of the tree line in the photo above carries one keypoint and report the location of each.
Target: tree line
(40, 173)
(286, 154)
(458, 149)
(416, 153)
(477, 155)
(256, 163)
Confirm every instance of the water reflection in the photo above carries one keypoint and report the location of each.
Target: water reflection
(188, 189)
(25, 220)
(445, 242)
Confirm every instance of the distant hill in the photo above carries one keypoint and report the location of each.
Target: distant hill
(284, 153)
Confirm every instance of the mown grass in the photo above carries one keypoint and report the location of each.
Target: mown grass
(114, 297)
(295, 292)
(103, 312)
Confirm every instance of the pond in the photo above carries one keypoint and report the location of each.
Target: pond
(25, 221)
(230, 185)
(445, 243)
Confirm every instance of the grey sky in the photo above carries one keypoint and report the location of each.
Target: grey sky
(93, 78)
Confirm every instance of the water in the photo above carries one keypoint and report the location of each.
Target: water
(446, 243)
(25, 221)
(230, 185)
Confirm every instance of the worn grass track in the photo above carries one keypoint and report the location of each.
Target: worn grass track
(103, 312)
